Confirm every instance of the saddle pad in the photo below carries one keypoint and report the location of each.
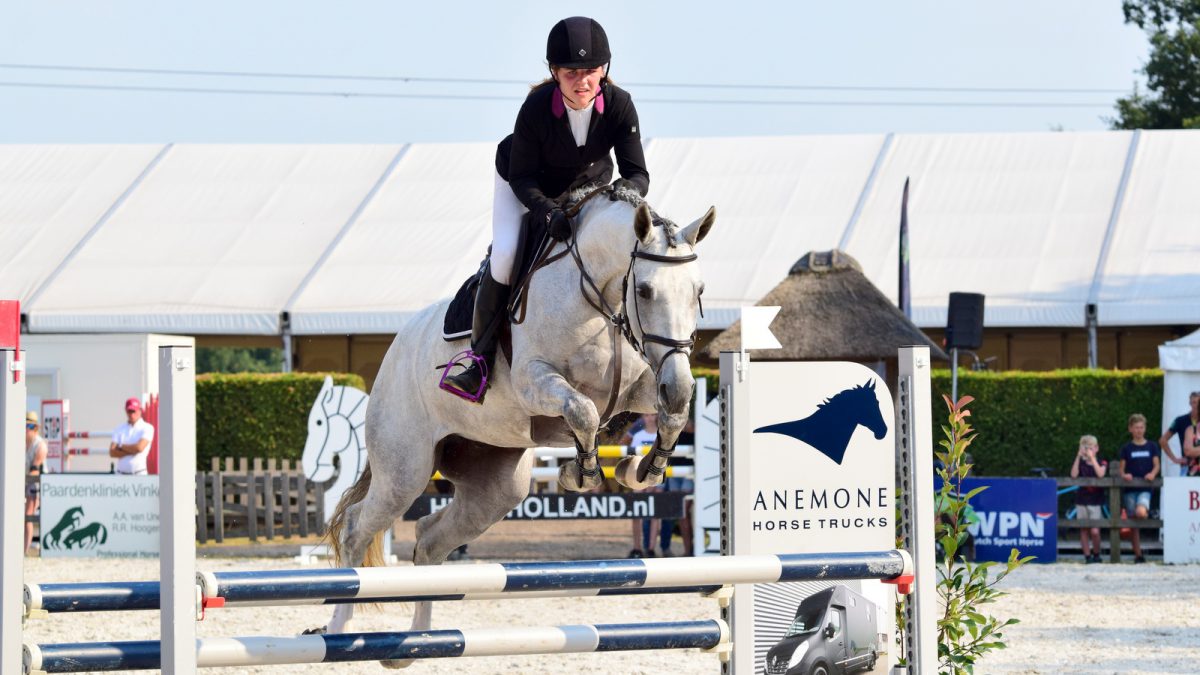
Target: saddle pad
(457, 323)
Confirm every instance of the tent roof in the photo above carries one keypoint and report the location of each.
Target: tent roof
(830, 311)
(1181, 354)
(212, 239)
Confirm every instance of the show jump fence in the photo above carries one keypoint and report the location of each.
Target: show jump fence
(182, 596)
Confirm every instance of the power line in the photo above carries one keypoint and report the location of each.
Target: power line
(488, 97)
(469, 80)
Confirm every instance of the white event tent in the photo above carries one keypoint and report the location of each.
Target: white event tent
(351, 239)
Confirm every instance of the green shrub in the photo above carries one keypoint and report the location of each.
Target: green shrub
(1035, 419)
(257, 415)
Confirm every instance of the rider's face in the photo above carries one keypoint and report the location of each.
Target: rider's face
(579, 86)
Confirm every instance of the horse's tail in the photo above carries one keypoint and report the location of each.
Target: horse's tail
(337, 523)
(103, 534)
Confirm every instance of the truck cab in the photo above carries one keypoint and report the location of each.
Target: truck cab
(834, 632)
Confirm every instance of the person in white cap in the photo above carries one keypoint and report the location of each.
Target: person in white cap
(131, 440)
(35, 457)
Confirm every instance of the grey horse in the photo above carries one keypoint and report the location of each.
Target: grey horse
(563, 360)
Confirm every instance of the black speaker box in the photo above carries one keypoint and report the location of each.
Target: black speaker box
(964, 322)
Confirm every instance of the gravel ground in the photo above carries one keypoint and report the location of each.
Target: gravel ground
(1074, 618)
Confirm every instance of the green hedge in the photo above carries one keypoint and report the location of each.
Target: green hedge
(257, 415)
(1035, 419)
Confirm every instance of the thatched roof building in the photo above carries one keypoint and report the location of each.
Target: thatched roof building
(830, 312)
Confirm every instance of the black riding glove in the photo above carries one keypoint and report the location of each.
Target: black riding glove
(622, 184)
(558, 225)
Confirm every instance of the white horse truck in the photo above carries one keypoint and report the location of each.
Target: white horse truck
(835, 631)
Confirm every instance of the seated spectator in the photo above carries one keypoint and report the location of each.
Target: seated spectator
(1139, 459)
(1089, 500)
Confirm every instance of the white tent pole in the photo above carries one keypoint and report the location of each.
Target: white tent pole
(177, 506)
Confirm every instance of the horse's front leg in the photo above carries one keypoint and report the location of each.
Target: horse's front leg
(672, 396)
(544, 391)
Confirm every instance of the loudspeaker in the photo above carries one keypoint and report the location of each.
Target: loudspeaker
(964, 321)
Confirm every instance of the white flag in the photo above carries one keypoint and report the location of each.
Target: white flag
(756, 328)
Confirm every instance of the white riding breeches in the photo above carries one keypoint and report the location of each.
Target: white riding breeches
(507, 212)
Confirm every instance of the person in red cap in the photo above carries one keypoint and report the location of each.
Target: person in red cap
(131, 440)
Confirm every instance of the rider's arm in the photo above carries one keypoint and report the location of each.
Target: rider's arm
(525, 157)
(626, 135)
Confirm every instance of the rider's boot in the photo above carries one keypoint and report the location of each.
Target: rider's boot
(471, 383)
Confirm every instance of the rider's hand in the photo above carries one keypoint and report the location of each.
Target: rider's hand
(622, 184)
(558, 225)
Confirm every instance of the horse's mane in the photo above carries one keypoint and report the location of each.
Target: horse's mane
(843, 394)
(631, 197)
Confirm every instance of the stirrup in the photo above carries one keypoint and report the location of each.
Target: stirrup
(457, 360)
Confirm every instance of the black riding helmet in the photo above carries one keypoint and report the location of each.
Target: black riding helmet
(577, 42)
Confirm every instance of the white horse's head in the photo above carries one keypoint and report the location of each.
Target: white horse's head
(334, 427)
(662, 286)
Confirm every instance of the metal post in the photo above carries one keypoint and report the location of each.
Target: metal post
(12, 509)
(914, 475)
(177, 508)
(1093, 346)
(953, 374)
(735, 404)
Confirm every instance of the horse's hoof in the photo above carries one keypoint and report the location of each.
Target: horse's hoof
(570, 478)
(626, 474)
(397, 664)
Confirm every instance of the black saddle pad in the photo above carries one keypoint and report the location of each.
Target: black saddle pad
(457, 323)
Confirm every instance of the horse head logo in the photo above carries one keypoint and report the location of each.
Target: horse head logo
(829, 429)
(335, 432)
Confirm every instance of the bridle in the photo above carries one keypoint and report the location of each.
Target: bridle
(618, 318)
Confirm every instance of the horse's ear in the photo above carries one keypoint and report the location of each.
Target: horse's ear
(642, 223)
(696, 232)
(870, 384)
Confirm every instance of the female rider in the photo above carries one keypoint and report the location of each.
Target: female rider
(562, 139)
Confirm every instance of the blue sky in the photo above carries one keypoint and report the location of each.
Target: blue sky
(696, 46)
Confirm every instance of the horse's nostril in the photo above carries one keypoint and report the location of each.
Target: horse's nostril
(662, 392)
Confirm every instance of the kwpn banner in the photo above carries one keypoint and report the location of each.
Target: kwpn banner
(1020, 513)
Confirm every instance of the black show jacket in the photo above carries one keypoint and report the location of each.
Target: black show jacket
(541, 161)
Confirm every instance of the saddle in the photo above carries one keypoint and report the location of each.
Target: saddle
(532, 243)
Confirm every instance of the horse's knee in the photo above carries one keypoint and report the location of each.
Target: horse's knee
(580, 414)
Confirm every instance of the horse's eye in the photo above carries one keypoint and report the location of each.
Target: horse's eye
(644, 291)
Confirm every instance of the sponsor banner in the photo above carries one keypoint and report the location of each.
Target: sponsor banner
(1020, 513)
(1180, 508)
(574, 506)
(814, 472)
(99, 515)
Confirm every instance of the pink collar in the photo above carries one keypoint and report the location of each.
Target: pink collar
(559, 108)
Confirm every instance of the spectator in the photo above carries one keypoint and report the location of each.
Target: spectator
(35, 457)
(1089, 500)
(131, 440)
(1190, 442)
(674, 484)
(645, 530)
(1139, 459)
(1189, 464)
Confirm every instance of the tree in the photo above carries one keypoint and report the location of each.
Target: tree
(238, 360)
(1173, 70)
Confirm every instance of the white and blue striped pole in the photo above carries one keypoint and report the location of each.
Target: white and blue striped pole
(477, 582)
(255, 651)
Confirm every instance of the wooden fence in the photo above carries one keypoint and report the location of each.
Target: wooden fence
(1114, 485)
(257, 499)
